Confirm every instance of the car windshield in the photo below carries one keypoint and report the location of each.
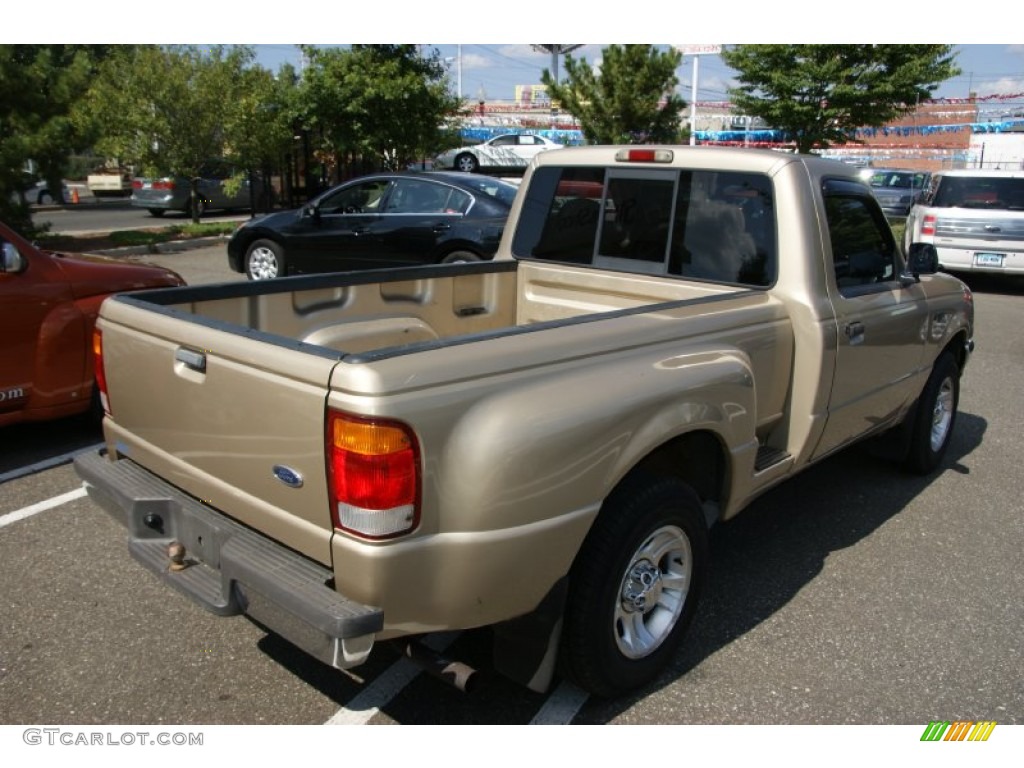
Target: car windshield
(897, 180)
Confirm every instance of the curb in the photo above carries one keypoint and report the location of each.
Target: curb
(170, 246)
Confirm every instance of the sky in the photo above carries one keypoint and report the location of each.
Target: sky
(495, 69)
(493, 62)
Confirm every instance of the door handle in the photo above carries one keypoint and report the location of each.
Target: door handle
(854, 332)
(191, 359)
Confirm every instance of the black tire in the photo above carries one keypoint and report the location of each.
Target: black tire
(935, 416)
(44, 198)
(648, 528)
(156, 212)
(460, 257)
(466, 162)
(264, 260)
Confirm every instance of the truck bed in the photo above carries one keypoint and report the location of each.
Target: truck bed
(244, 371)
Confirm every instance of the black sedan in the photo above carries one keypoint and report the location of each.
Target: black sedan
(380, 220)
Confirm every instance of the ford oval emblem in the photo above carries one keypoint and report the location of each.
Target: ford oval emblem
(288, 476)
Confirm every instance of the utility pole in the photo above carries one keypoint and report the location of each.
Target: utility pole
(555, 50)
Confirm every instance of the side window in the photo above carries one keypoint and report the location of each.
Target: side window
(863, 248)
(415, 196)
(356, 199)
(505, 141)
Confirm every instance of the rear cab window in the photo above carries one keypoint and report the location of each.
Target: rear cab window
(697, 224)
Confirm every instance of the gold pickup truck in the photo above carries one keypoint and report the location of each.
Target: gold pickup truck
(539, 443)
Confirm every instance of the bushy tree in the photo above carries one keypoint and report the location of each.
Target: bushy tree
(39, 84)
(632, 100)
(820, 94)
(388, 102)
(167, 109)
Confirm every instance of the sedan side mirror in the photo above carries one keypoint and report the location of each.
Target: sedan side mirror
(12, 260)
(922, 259)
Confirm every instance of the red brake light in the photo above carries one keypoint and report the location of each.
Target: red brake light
(928, 225)
(643, 155)
(164, 184)
(136, 184)
(374, 478)
(101, 376)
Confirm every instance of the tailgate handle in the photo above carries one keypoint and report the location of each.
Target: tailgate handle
(191, 359)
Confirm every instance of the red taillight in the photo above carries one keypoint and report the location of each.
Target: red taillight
(928, 225)
(136, 183)
(101, 376)
(374, 478)
(165, 184)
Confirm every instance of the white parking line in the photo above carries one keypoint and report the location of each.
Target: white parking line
(42, 506)
(561, 707)
(364, 705)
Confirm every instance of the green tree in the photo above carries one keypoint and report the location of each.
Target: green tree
(258, 128)
(820, 94)
(167, 109)
(386, 102)
(39, 84)
(632, 100)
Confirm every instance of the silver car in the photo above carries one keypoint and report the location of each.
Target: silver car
(173, 193)
(896, 189)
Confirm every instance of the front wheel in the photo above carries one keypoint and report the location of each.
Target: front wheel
(264, 260)
(634, 587)
(935, 416)
(467, 163)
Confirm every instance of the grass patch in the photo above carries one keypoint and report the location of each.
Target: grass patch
(124, 238)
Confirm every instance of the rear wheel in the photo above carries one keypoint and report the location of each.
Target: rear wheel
(935, 416)
(634, 586)
(264, 260)
(156, 212)
(459, 257)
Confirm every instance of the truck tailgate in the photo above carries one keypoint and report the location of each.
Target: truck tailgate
(232, 420)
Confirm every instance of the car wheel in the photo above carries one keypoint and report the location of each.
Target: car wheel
(466, 162)
(156, 212)
(935, 416)
(634, 587)
(44, 198)
(264, 260)
(460, 257)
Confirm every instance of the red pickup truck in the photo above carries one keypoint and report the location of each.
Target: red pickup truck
(48, 307)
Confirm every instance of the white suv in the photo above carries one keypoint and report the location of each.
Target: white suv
(974, 218)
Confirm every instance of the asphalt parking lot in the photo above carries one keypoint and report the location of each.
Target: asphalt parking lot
(853, 594)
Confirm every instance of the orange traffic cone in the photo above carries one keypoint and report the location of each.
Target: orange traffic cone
(74, 196)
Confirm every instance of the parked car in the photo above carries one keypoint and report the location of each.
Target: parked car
(896, 189)
(38, 193)
(174, 193)
(48, 307)
(975, 220)
(508, 151)
(380, 220)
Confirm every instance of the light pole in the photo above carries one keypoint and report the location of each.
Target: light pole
(555, 49)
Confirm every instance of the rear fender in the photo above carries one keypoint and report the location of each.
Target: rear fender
(558, 445)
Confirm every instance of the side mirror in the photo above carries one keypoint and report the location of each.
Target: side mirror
(12, 260)
(922, 259)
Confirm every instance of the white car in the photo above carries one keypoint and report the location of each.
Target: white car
(508, 151)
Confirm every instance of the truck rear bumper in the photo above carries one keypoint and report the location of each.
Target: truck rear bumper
(228, 568)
